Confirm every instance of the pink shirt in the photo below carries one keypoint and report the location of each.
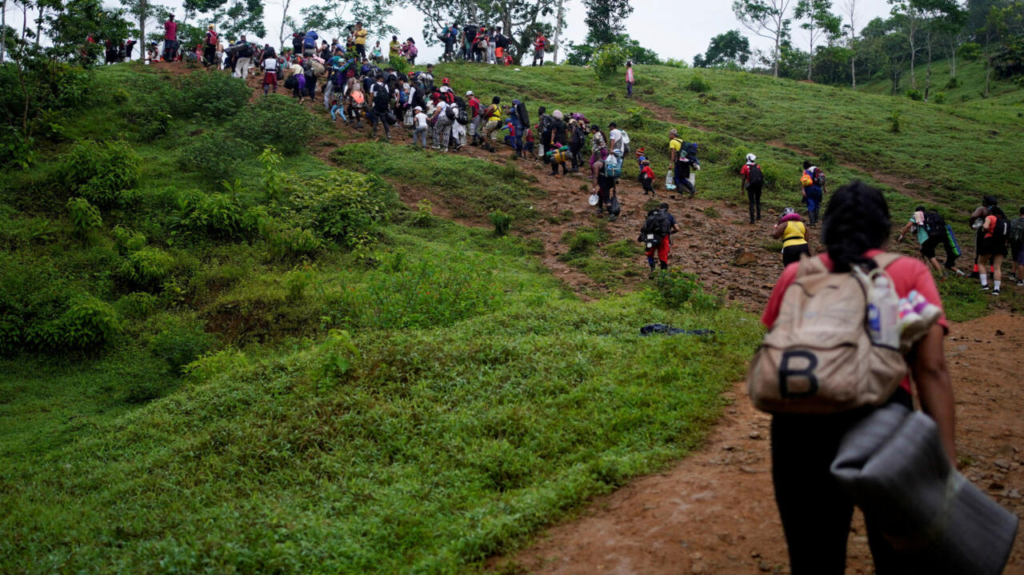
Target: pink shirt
(629, 74)
(908, 274)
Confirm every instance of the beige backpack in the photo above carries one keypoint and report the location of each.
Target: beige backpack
(819, 356)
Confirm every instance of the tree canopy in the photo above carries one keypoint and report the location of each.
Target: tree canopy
(730, 48)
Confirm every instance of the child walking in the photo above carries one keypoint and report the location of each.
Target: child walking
(629, 78)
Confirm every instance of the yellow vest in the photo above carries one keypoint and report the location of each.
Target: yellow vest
(794, 234)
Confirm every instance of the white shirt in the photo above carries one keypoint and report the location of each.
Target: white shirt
(616, 139)
(270, 64)
(421, 120)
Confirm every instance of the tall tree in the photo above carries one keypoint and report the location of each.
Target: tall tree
(909, 14)
(818, 21)
(284, 20)
(768, 19)
(731, 47)
(604, 19)
(851, 14)
(559, 23)
(144, 11)
(940, 16)
(233, 17)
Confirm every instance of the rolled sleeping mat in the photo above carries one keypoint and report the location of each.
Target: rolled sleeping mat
(894, 467)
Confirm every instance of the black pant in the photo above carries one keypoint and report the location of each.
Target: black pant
(791, 254)
(554, 168)
(376, 117)
(209, 53)
(754, 196)
(361, 50)
(816, 512)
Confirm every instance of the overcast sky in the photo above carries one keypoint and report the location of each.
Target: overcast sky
(677, 29)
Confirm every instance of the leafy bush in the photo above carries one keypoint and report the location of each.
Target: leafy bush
(149, 123)
(147, 268)
(218, 214)
(128, 241)
(180, 343)
(101, 172)
(582, 243)
(288, 242)
(501, 221)
(341, 204)
(698, 83)
(677, 289)
(607, 60)
(953, 83)
(215, 96)
(894, 122)
(137, 305)
(914, 95)
(275, 121)
(940, 98)
(85, 218)
(673, 63)
(86, 324)
(639, 118)
(213, 155)
(423, 217)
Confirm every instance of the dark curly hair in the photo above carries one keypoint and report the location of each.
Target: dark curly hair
(856, 220)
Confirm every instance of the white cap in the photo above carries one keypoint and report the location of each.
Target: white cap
(751, 158)
(469, 93)
(417, 108)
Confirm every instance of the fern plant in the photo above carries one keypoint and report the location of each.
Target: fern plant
(85, 217)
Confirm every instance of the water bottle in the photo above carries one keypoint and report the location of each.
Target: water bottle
(884, 308)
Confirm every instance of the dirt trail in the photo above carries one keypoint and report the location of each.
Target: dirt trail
(911, 187)
(714, 512)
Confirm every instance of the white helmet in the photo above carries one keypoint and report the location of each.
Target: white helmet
(751, 158)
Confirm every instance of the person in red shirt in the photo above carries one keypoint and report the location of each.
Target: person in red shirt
(539, 45)
(170, 39)
(815, 511)
(475, 117)
(647, 178)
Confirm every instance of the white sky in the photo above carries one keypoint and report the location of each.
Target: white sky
(677, 29)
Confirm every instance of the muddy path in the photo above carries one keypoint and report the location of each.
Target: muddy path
(714, 511)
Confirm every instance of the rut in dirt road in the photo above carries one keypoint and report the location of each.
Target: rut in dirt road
(714, 512)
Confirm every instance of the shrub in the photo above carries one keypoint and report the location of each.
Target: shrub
(676, 289)
(607, 60)
(213, 155)
(582, 243)
(940, 98)
(639, 118)
(137, 305)
(215, 96)
(501, 221)
(149, 123)
(85, 218)
(673, 63)
(86, 324)
(128, 241)
(894, 122)
(711, 212)
(273, 180)
(147, 268)
(423, 217)
(218, 214)
(953, 83)
(287, 242)
(181, 343)
(341, 204)
(698, 83)
(914, 95)
(275, 121)
(101, 172)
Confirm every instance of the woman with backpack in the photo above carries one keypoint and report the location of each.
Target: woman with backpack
(816, 511)
(577, 140)
(930, 229)
(992, 248)
(793, 233)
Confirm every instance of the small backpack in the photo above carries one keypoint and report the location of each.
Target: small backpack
(449, 112)
(462, 117)
(819, 177)
(1001, 230)
(613, 167)
(756, 176)
(213, 38)
(657, 226)
(934, 224)
(1017, 231)
(818, 356)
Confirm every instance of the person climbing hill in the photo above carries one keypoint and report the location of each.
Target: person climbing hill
(752, 183)
(812, 179)
(931, 230)
(793, 233)
(655, 235)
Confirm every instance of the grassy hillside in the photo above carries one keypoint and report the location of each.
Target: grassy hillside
(217, 358)
(953, 154)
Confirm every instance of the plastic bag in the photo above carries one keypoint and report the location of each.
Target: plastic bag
(594, 199)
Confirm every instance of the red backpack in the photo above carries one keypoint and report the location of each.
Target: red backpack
(212, 40)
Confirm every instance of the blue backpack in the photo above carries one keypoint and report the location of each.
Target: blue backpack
(613, 167)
